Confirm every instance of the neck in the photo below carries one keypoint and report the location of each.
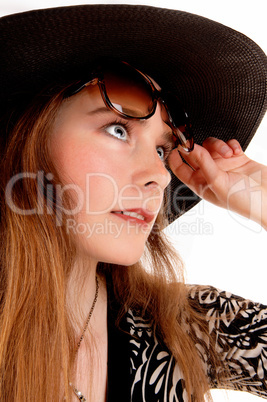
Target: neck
(81, 291)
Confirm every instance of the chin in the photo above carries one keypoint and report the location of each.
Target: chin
(126, 260)
(107, 250)
(125, 254)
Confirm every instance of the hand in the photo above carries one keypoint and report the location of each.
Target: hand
(221, 173)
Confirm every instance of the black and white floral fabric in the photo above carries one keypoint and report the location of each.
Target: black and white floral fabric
(239, 330)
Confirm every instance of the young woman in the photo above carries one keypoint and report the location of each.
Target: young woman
(99, 107)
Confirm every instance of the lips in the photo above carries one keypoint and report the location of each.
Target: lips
(139, 215)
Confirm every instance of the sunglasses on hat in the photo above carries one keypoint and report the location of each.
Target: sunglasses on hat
(132, 95)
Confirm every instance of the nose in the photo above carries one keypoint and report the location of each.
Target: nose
(150, 172)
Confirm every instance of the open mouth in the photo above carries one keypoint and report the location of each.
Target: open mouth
(138, 215)
(129, 213)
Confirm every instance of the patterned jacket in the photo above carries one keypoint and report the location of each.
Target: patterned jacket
(142, 370)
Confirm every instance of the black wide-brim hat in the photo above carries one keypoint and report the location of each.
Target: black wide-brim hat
(219, 74)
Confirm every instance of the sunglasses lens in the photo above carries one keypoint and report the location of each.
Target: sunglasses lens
(131, 94)
(128, 91)
(179, 120)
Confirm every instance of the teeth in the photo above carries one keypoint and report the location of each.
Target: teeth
(133, 214)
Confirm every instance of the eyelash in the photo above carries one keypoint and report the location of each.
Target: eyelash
(167, 148)
(128, 126)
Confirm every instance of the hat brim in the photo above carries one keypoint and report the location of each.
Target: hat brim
(219, 74)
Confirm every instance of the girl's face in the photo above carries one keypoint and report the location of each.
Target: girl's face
(115, 171)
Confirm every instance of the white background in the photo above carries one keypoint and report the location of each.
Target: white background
(219, 248)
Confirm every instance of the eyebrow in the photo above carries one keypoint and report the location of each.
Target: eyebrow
(168, 136)
(100, 110)
(104, 109)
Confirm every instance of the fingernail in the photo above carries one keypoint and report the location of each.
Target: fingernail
(182, 150)
(226, 150)
(236, 148)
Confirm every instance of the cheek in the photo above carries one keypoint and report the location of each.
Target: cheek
(98, 171)
(76, 158)
(95, 173)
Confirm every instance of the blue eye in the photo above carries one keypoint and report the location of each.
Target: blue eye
(161, 153)
(118, 131)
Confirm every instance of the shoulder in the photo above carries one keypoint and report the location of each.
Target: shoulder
(225, 306)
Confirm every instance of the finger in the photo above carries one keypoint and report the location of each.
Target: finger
(235, 146)
(218, 148)
(189, 160)
(179, 168)
(203, 161)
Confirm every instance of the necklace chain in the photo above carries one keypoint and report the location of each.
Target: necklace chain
(75, 390)
(90, 314)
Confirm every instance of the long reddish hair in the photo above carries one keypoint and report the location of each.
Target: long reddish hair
(37, 342)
